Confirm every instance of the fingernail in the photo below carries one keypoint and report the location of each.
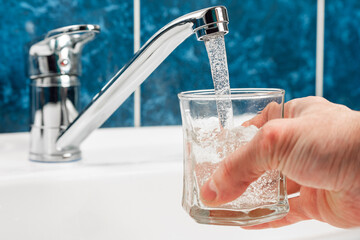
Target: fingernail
(209, 191)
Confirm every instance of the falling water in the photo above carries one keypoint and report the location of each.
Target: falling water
(215, 47)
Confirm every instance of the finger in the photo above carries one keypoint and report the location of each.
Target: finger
(292, 109)
(245, 165)
(295, 215)
(299, 106)
(271, 111)
(230, 180)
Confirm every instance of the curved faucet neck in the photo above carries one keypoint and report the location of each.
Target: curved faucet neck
(203, 22)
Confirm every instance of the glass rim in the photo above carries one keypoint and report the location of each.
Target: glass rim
(235, 93)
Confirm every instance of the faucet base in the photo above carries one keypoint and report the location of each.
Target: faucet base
(43, 149)
(55, 158)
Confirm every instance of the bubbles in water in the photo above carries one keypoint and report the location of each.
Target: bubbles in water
(211, 145)
(261, 192)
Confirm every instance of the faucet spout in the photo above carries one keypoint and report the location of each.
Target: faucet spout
(203, 23)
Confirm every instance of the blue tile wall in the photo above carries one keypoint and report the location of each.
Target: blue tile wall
(271, 43)
(342, 52)
(23, 21)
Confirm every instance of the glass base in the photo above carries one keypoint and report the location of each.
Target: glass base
(243, 217)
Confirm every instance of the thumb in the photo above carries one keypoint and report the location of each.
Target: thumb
(245, 165)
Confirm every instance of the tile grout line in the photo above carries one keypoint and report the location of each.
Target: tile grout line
(137, 93)
(320, 32)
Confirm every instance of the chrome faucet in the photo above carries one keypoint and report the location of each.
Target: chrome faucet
(57, 129)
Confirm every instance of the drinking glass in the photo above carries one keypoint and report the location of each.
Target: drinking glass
(207, 143)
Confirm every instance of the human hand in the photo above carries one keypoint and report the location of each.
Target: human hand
(317, 146)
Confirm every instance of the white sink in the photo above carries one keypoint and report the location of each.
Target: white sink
(128, 186)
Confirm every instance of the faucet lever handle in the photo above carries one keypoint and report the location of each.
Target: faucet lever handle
(73, 29)
(58, 53)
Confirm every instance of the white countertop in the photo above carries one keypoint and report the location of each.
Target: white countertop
(128, 186)
(112, 146)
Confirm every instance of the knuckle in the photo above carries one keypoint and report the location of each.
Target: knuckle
(316, 99)
(273, 105)
(298, 105)
(270, 136)
(273, 110)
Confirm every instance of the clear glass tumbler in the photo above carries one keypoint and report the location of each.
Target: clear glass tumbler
(207, 143)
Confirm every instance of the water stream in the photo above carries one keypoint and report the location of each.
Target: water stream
(215, 47)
